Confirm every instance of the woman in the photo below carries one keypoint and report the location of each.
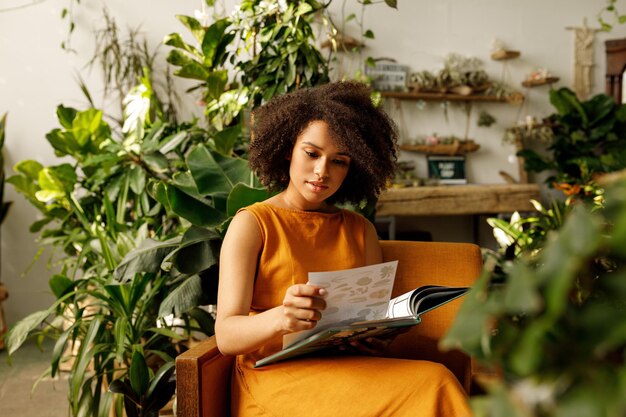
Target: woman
(318, 146)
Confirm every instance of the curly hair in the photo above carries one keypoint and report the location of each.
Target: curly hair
(358, 127)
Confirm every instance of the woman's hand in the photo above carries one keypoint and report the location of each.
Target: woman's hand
(302, 307)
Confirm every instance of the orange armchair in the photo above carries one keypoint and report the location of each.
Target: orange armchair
(203, 373)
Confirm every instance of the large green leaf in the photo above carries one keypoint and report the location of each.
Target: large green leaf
(146, 258)
(216, 174)
(225, 139)
(29, 168)
(18, 333)
(216, 82)
(66, 116)
(566, 103)
(161, 388)
(192, 209)
(193, 70)
(211, 41)
(175, 40)
(197, 251)
(139, 373)
(194, 26)
(243, 196)
(208, 175)
(59, 349)
(183, 298)
(204, 319)
(60, 285)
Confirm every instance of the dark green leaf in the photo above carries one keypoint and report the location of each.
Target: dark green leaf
(182, 298)
(392, 3)
(205, 320)
(123, 387)
(196, 252)
(139, 374)
(60, 285)
(66, 116)
(192, 209)
(146, 258)
(225, 139)
(243, 196)
(57, 352)
(161, 388)
(208, 175)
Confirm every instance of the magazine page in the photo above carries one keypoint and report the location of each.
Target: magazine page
(356, 294)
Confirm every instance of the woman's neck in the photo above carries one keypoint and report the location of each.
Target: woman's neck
(283, 200)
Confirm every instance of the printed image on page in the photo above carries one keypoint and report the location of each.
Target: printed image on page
(356, 294)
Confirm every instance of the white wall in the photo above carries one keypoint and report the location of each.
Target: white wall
(36, 75)
(421, 33)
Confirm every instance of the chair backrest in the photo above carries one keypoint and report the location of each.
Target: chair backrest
(433, 263)
(203, 374)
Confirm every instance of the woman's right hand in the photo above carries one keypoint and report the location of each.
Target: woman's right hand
(302, 307)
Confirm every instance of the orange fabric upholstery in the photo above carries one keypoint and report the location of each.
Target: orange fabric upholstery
(203, 374)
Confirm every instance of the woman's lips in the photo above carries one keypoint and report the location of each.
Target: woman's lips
(317, 186)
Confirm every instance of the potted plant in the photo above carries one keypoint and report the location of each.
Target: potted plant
(138, 210)
(550, 322)
(588, 140)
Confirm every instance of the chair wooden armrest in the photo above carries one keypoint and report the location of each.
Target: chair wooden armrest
(203, 374)
(203, 381)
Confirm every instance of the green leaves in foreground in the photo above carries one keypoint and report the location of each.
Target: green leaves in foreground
(554, 323)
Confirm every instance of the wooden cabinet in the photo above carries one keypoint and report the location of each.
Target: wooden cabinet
(457, 200)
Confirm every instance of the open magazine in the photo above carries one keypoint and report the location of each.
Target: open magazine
(358, 306)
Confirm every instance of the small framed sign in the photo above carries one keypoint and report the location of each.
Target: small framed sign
(388, 76)
(447, 169)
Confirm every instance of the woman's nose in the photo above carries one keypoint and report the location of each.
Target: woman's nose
(321, 170)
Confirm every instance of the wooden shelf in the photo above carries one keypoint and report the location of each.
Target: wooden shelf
(441, 97)
(537, 83)
(504, 55)
(457, 200)
(455, 148)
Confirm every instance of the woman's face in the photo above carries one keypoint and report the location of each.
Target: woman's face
(317, 169)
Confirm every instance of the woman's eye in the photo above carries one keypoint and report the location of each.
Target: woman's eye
(311, 154)
(340, 162)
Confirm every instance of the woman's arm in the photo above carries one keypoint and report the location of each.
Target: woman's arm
(237, 332)
(373, 252)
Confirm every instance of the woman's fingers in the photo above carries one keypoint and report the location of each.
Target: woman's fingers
(302, 306)
(305, 296)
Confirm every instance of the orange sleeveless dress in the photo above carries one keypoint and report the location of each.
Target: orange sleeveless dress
(294, 244)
